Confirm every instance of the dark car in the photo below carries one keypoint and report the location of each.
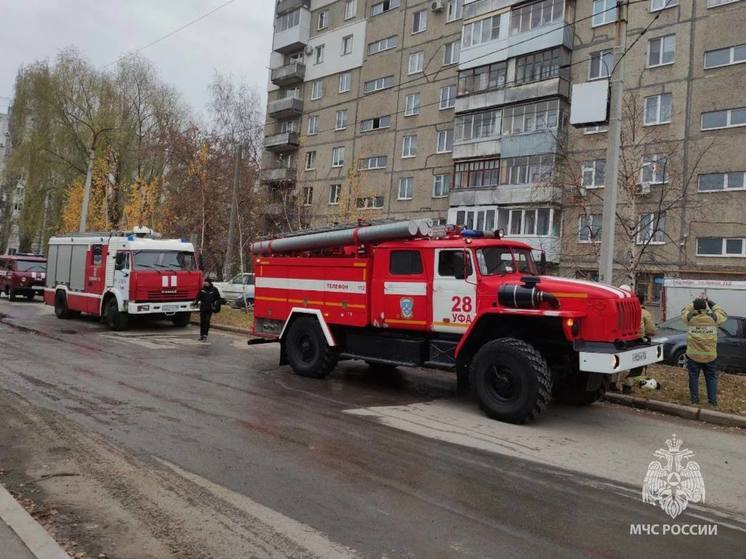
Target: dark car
(731, 343)
(22, 275)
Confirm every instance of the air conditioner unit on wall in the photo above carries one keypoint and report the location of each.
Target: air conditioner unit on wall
(437, 5)
(309, 50)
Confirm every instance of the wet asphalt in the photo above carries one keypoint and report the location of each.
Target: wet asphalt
(227, 412)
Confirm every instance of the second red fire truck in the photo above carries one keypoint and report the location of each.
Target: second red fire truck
(117, 275)
(404, 294)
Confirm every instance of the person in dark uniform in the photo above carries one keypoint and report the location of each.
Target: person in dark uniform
(209, 301)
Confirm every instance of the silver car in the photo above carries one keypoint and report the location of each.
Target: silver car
(239, 288)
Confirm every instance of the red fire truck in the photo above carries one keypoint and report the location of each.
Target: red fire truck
(404, 294)
(115, 275)
(22, 274)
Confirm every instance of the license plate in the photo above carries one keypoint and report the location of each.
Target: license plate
(170, 308)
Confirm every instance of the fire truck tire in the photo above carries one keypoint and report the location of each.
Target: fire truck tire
(61, 310)
(116, 320)
(181, 319)
(12, 295)
(511, 380)
(30, 296)
(307, 352)
(573, 391)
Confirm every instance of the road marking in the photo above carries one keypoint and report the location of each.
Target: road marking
(298, 533)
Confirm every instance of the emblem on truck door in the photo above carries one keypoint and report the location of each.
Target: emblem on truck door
(407, 307)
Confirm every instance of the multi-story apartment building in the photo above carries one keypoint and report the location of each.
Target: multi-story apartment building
(459, 111)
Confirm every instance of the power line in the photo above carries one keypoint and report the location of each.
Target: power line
(171, 34)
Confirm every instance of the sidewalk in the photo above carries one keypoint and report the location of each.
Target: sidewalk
(11, 547)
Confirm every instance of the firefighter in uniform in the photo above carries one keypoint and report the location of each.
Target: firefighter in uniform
(703, 317)
(637, 375)
(209, 301)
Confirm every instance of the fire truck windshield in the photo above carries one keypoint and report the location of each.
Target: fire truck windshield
(30, 266)
(164, 260)
(505, 260)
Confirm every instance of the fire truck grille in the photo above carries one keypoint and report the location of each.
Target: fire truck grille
(172, 295)
(628, 317)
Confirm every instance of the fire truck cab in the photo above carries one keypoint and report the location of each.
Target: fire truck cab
(22, 274)
(116, 275)
(461, 300)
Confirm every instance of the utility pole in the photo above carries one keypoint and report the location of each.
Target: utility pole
(232, 219)
(608, 223)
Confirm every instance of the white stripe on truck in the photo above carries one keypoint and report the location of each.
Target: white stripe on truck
(327, 285)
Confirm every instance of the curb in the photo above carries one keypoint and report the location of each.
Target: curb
(31, 533)
(232, 329)
(686, 412)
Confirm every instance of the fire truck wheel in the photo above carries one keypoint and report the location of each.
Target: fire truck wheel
(12, 295)
(181, 319)
(116, 320)
(61, 310)
(573, 391)
(30, 296)
(307, 352)
(511, 380)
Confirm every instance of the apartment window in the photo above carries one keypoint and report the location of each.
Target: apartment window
(716, 3)
(369, 203)
(596, 129)
(378, 84)
(375, 123)
(288, 126)
(350, 9)
(419, 21)
(335, 191)
(476, 174)
(524, 119)
(658, 109)
(345, 82)
(447, 97)
(412, 104)
(480, 31)
(604, 11)
(654, 169)
(651, 229)
(441, 186)
(341, 120)
(338, 156)
(323, 20)
(346, 45)
(307, 195)
(529, 169)
(296, 57)
(375, 162)
(288, 20)
(409, 146)
(536, 14)
(602, 62)
(292, 93)
(594, 173)
(729, 118)
(525, 222)
(383, 7)
(310, 160)
(718, 182)
(661, 50)
(416, 62)
(589, 228)
(451, 52)
(313, 124)
(455, 10)
(721, 246)
(444, 141)
(538, 66)
(483, 78)
(317, 90)
(656, 5)
(318, 56)
(476, 126)
(725, 57)
(406, 188)
(384, 44)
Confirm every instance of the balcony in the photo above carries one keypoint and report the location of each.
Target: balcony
(280, 174)
(284, 6)
(288, 107)
(552, 87)
(294, 38)
(487, 147)
(289, 74)
(474, 9)
(286, 141)
(505, 194)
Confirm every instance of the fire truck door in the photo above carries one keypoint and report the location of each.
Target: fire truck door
(404, 299)
(122, 274)
(454, 290)
(95, 275)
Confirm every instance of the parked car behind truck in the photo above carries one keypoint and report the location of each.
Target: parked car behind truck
(22, 275)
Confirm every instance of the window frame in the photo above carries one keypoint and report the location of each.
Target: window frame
(726, 179)
(345, 121)
(414, 110)
(419, 60)
(731, 57)
(655, 159)
(666, 5)
(378, 158)
(307, 196)
(422, 21)
(345, 78)
(662, 39)
(446, 133)
(409, 146)
(386, 81)
(335, 194)
(318, 54)
(317, 89)
(606, 12)
(444, 185)
(658, 109)
(728, 113)
(410, 183)
(347, 41)
(723, 247)
(651, 229)
(337, 162)
(322, 20)
(455, 47)
(592, 165)
(313, 130)
(450, 99)
(602, 65)
(590, 226)
(347, 14)
(310, 159)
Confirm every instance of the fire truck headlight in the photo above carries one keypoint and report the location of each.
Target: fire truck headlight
(143, 307)
(615, 360)
(24, 279)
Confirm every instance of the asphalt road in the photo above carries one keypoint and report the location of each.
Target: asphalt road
(354, 465)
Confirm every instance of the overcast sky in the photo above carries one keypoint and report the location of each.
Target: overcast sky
(234, 40)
